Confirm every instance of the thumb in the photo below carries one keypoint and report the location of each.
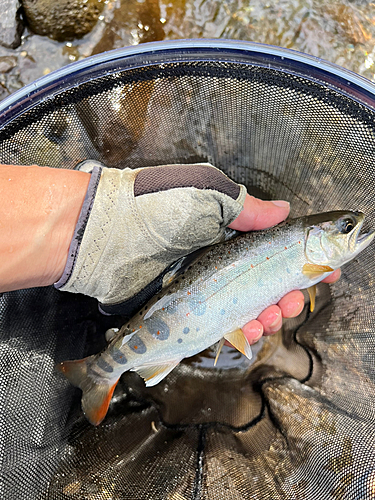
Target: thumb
(259, 214)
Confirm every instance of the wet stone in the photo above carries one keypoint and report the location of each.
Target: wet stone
(11, 26)
(63, 20)
(7, 63)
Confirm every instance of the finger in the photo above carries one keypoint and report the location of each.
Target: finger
(253, 331)
(271, 319)
(259, 214)
(291, 304)
(332, 278)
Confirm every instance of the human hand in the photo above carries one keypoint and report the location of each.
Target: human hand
(258, 214)
(139, 222)
(135, 224)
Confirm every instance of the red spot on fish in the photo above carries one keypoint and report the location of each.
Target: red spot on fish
(228, 251)
(133, 329)
(299, 242)
(267, 258)
(158, 333)
(189, 293)
(187, 314)
(215, 281)
(135, 347)
(215, 267)
(252, 267)
(285, 248)
(163, 308)
(140, 326)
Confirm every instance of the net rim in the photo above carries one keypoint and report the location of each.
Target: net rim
(284, 60)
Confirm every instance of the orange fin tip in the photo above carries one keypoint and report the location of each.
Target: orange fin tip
(312, 294)
(95, 401)
(96, 395)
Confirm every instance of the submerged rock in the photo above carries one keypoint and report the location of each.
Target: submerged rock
(62, 20)
(11, 26)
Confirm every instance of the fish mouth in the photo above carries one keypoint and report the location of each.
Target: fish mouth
(361, 241)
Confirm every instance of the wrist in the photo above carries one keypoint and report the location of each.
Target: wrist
(40, 208)
(69, 197)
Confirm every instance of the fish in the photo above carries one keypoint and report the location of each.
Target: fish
(210, 299)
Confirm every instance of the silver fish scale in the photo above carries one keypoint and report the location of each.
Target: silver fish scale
(229, 285)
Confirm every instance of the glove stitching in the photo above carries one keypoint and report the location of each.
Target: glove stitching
(79, 233)
(100, 249)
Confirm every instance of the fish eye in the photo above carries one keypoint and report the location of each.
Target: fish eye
(345, 225)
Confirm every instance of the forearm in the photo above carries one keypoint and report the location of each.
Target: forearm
(39, 210)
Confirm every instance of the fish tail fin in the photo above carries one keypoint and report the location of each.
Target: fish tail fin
(96, 394)
(75, 371)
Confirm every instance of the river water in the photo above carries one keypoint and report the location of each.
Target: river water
(342, 32)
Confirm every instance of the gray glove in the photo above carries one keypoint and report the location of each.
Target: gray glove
(135, 223)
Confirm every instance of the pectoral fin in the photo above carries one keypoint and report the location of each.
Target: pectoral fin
(240, 342)
(312, 293)
(315, 270)
(154, 373)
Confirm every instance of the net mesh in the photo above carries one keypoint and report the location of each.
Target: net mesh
(296, 423)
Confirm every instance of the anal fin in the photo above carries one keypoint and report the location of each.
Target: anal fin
(238, 339)
(312, 293)
(155, 372)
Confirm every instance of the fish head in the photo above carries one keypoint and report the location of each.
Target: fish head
(333, 238)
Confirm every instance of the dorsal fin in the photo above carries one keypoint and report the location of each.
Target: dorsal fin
(181, 265)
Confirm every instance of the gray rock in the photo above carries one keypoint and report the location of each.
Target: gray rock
(64, 19)
(11, 26)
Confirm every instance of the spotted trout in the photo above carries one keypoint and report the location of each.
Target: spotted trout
(212, 298)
